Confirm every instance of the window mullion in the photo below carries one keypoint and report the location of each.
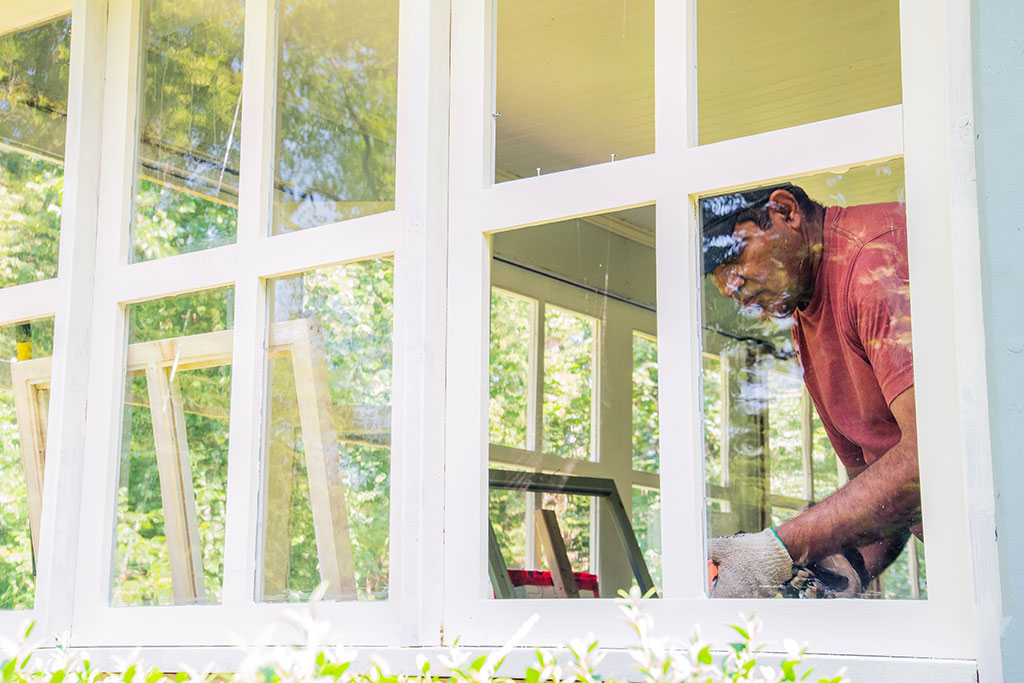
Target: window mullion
(248, 346)
(73, 294)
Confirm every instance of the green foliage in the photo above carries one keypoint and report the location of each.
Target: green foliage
(645, 404)
(511, 334)
(17, 566)
(337, 101)
(30, 212)
(658, 660)
(569, 350)
(189, 136)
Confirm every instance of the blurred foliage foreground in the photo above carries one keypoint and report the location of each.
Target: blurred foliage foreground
(657, 660)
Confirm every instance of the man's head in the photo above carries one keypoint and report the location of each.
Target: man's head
(762, 253)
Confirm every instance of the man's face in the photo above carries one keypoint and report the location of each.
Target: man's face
(770, 277)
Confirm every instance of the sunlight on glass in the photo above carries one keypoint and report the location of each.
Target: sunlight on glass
(172, 485)
(25, 351)
(326, 498)
(337, 94)
(190, 103)
(568, 383)
(34, 67)
(512, 344)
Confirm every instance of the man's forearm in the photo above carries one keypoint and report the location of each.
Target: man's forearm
(879, 503)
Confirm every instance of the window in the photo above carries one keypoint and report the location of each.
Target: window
(851, 150)
(370, 293)
(573, 382)
(246, 296)
(34, 71)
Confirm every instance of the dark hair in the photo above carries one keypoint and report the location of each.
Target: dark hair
(721, 214)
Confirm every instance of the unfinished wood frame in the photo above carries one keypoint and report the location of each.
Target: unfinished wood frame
(30, 380)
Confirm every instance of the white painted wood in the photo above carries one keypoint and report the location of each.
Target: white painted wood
(245, 439)
(66, 430)
(940, 135)
(25, 302)
(15, 14)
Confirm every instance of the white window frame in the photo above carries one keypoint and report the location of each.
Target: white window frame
(65, 298)
(952, 623)
(411, 233)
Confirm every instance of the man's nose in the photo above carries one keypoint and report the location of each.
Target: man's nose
(731, 283)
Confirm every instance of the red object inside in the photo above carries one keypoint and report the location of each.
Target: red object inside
(530, 577)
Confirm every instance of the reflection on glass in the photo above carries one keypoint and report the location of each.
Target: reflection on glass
(336, 102)
(645, 403)
(572, 319)
(172, 485)
(326, 497)
(806, 299)
(512, 320)
(25, 351)
(574, 84)
(190, 101)
(33, 115)
(833, 59)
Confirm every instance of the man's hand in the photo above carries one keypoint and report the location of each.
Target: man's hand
(749, 565)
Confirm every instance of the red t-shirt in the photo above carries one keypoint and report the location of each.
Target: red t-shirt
(853, 339)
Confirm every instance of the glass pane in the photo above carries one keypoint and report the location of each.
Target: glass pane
(711, 378)
(327, 448)
(807, 287)
(785, 429)
(832, 59)
(512, 351)
(34, 67)
(186, 186)
(645, 403)
(647, 525)
(825, 461)
(25, 351)
(337, 92)
(567, 301)
(574, 84)
(172, 486)
(568, 383)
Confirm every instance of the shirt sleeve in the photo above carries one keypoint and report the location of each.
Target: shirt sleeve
(880, 311)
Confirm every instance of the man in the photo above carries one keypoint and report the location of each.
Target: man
(841, 274)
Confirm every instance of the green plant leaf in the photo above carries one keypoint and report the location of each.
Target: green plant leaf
(58, 676)
(743, 633)
(704, 656)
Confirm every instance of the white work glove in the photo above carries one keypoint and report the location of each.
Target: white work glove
(749, 565)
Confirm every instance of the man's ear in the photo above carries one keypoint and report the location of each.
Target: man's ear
(785, 205)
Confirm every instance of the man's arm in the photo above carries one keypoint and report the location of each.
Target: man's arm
(878, 503)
